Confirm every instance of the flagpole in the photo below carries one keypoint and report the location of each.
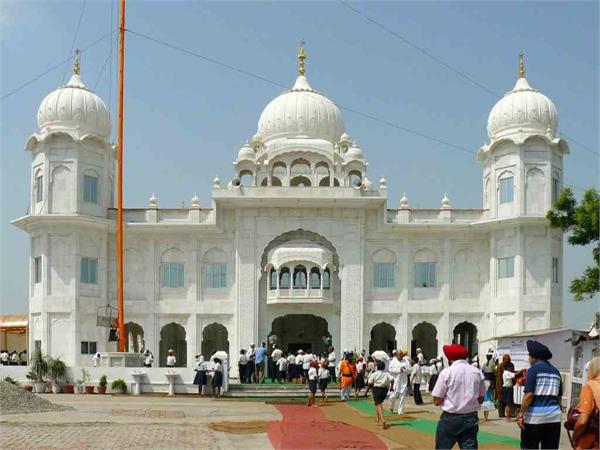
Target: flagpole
(121, 321)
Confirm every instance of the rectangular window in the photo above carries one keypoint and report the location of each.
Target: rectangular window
(215, 275)
(90, 189)
(506, 190)
(555, 270)
(88, 347)
(37, 345)
(506, 267)
(37, 269)
(555, 190)
(172, 275)
(39, 188)
(383, 275)
(89, 270)
(425, 274)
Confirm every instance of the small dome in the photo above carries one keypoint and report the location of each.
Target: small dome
(404, 201)
(74, 108)
(301, 112)
(195, 201)
(354, 152)
(522, 109)
(246, 152)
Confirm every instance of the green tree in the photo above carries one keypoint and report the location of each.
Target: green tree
(580, 220)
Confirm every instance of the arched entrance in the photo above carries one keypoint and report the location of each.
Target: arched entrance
(172, 336)
(383, 337)
(134, 335)
(424, 335)
(293, 332)
(214, 338)
(465, 333)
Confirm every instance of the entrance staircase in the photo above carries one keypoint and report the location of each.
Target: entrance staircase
(276, 390)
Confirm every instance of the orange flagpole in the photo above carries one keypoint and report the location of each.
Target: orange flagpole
(121, 322)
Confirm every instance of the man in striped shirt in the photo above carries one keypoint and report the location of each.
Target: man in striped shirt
(540, 415)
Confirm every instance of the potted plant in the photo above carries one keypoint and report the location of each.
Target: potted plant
(56, 370)
(119, 385)
(84, 377)
(101, 388)
(11, 380)
(39, 369)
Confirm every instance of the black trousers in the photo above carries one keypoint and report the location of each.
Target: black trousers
(458, 429)
(417, 394)
(543, 435)
(243, 372)
(250, 372)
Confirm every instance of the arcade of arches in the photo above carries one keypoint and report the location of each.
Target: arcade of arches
(294, 332)
(134, 335)
(424, 336)
(383, 337)
(214, 338)
(465, 333)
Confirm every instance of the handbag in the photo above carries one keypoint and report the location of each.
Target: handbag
(593, 425)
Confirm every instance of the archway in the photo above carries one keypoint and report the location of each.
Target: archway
(424, 336)
(172, 336)
(214, 338)
(134, 335)
(308, 332)
(465, 333)
(383, 337)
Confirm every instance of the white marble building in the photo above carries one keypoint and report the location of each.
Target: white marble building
(299, 244)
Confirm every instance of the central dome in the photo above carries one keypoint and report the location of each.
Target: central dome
(301, 112)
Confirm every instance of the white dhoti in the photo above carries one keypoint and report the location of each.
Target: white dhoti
(399, 370)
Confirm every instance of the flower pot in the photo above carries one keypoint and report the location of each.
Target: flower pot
(39, 387)
(88, 389)
(55, 388)
(28, 387)
(68, 389)
(101, 389)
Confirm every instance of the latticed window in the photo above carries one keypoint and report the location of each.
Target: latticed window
(300, 277)
(384, 275)
(273, 280)
(284, 278)
(506, 267)
(326, 279)
(425, 274)
(215, 275)
(315, 278)
(89, 270)
(172, 275)
(506, 190)
(90, 189)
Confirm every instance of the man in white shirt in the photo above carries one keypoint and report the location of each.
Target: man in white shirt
(415, 378)
(281, 367)
(275, 355)
(148, 358)
(306, 360)
(331, 363)
(399, 369)
(298, 375)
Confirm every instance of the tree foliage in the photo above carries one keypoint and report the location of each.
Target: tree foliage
(580, 221)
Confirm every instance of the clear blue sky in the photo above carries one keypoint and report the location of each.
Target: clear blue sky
(186, 118)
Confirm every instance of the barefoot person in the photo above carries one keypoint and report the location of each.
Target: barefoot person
(312, 376)
(381, 382)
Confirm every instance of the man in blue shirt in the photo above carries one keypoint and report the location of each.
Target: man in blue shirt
(540, 415)
(261, 356)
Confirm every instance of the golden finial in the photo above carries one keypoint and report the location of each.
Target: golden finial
(521, 66)
(77, 65)
(301, 58)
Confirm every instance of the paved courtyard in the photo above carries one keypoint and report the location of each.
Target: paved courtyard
(107, 421)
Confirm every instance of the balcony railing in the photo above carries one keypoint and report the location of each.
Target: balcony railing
(291, 296)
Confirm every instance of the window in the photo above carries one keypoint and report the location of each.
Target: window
(555, 190)
(39, 188)
(506, 267)
(315, 278)
(506, 190)
(37, 345)
(90, 189)
(383, 275)
(284, 278)
(425, 274)
(215, 275)
(299, 277)
(37, 269)
(89, 270)
(172, 275)
(326, 279)
(88, 347)
(273, 281)
(555, 270)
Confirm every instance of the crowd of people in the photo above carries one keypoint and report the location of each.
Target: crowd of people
(13, 358)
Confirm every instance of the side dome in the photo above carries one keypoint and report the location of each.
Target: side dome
(74, 109)
(301, 112)
(523, 109)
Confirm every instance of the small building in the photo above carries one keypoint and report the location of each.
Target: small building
(13, 332)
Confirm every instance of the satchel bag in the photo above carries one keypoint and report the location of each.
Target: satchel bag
(593, 425)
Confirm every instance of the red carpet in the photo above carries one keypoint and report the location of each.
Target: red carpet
(305, 427)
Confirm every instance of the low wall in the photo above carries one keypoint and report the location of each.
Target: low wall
(154, 381)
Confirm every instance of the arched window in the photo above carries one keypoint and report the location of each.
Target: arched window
(90, 187)
(246, 178)
(326, 279)
(505, 188)
(322, 174)
(215, 269)
(315, 278)
(425, 269)
(300, 167)
(279, 172)
(39, 186)
(384, 269)
(300, 181)
(172, 268)
(299, 277)
(276, 181)
(284, 278)
(273, 278)
(355, 178)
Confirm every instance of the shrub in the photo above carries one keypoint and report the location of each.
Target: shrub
(31, 375)
(11, 380)
(56, 369)
(120, 385)
(39, 366)
(84, 378)
(102, 382)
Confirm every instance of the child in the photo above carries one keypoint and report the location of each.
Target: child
(324, 376)
(200, 379)
(282, 364)
(381, 382)
(311, 375)
(488, 400)
(217, 380)
(359, 383)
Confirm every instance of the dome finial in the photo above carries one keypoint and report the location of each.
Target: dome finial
(301, 58)
(77, 65)
(521, 65)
